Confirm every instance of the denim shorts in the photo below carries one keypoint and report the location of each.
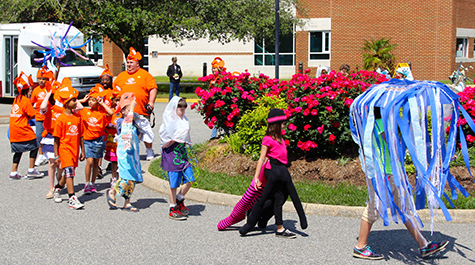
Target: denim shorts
(175, 178)
(94, 148)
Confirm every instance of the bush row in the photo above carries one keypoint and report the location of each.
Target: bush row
(317, 108)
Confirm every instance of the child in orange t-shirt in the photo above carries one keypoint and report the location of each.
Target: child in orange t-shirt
(68, 142)
(22, 136)
(51, 109)
(37, 97)
(111, 132)
(94, 122)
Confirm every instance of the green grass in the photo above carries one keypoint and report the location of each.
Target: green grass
(310, 192)
(166, 79)
(461, 202)
(161, 94)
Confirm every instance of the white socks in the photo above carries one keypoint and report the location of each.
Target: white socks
(180, 197)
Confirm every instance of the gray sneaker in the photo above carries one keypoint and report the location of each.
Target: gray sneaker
(34, 174)
(17, 177)
(57, 196)
(75, 204)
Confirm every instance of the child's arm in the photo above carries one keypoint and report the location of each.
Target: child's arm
(82, 156)
(56, 148)
(84, 99)
(104, 105)
(44, 104)
(260, 162)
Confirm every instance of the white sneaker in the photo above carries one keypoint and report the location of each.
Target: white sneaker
(57, 196)
(74, 203)
(41, 160)
(150, 154)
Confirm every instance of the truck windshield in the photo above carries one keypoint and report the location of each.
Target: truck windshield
(74, 60)
(71, 59)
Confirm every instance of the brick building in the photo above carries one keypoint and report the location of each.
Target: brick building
(428, 32)
(434, 35)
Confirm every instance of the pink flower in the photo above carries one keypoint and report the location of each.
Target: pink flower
(298, 109)
(329, 108)
(332, 139)
(292, 127)
(219, 103)
(314, 112)
(320, 129)
(306, 127)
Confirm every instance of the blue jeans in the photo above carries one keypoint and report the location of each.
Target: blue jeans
(177, 89)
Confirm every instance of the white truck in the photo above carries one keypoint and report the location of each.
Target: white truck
(17, 53)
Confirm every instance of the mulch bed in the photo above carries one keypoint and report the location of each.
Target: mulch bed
(218, 158)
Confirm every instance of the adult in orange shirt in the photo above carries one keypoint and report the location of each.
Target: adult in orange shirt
(143, 85)
(94, 121)
(68, 142)
(22, 136)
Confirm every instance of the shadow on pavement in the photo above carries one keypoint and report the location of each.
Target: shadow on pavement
(89, 197)
(196, 209)
(146, 203)
(398, 244)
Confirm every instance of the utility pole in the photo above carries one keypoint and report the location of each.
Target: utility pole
(277, 29)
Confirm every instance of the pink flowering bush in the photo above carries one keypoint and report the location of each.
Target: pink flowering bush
(226, 99)
(467, 100)
(317, 108)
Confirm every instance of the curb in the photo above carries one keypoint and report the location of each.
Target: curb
(4, 120)
(165, 100)
(204, 196)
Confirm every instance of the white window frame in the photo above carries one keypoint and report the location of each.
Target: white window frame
(464, 48)
(90, 51)
(280, 53)
(324, 48)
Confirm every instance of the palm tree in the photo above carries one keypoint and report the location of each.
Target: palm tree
(378, 53)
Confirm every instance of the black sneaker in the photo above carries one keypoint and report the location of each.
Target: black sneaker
(181, 206)
(176, 214)
(432, 248)
(366, 253)
(109, 167)
(99, 172)
(285, 234)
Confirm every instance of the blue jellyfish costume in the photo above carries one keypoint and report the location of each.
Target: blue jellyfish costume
(413, 114)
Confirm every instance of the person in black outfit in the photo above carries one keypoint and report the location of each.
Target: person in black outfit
(175, 74)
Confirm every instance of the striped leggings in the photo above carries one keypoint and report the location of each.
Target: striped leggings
(239, 212)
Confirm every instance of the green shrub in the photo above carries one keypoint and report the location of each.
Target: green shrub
(253, 124)
(235, 143)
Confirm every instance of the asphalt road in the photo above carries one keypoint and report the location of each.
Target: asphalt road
(38, 231)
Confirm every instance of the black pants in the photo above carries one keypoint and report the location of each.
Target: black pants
(17, 156)
(279, 186)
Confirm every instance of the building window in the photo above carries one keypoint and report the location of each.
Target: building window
(95, 45)
(462, 47)
(319, 45)
(264, 51)
(145, 55)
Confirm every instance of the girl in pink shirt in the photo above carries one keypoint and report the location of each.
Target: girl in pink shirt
(279, 183)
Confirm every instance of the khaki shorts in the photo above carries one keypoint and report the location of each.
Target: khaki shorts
(370, 213)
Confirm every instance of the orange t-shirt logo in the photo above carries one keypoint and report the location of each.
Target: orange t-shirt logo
(15, 110)
(130, 81)
(73, 130)
(41, 95)
(92, 121)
